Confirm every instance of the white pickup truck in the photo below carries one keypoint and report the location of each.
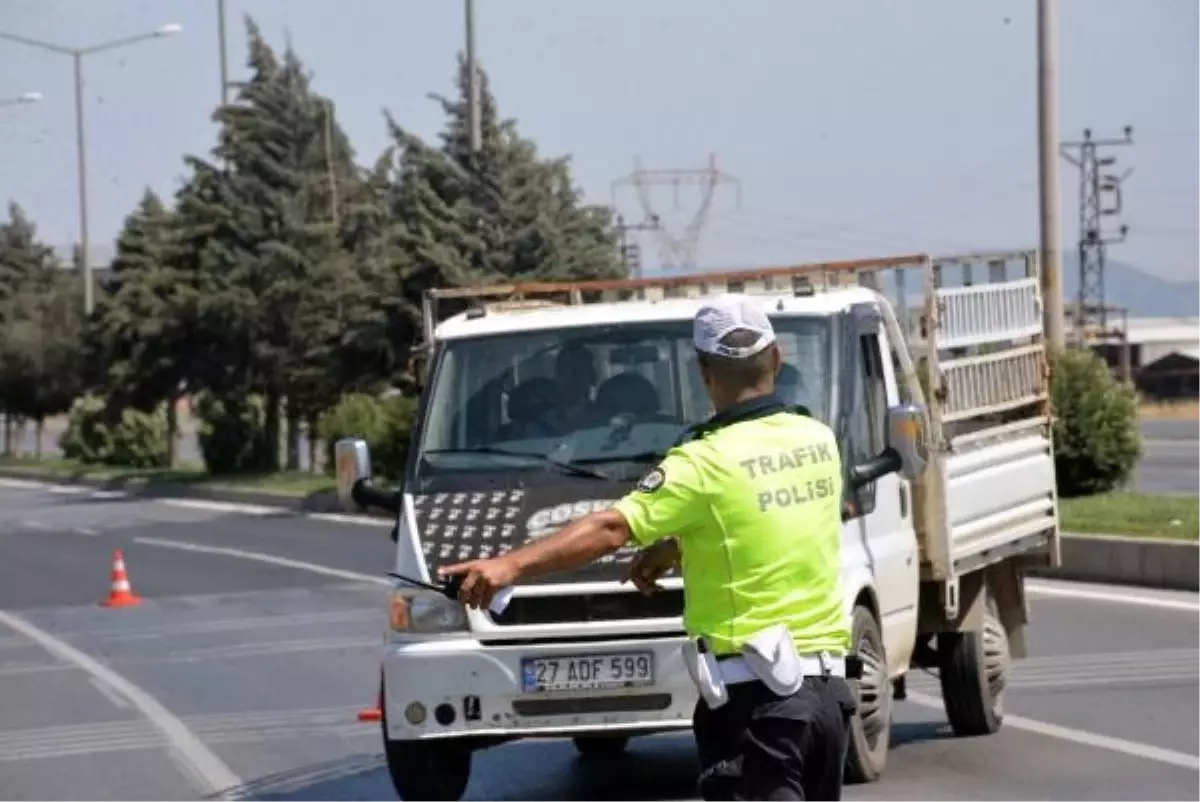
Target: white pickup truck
(544, 402)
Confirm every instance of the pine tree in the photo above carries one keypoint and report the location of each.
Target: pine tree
(284, 278)
(539, 221)
(41, 322)
(139, 330)
(23, 258)
(500, 214)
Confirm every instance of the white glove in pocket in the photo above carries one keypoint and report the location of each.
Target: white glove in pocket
(705, 673)
(771, 656)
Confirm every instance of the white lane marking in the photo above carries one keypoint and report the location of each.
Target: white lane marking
(221, 506)
(189, 751)
(105, 494)
(212, 653)
(1111, 595)
(39, 526)
(271, 622)
(69, 490)
(270, 559)
(1083, 737)
(22, 484)
(108, 693)
(13, 669)
(360, 520)
(80, 739)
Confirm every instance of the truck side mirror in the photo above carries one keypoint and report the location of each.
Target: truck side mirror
(906, 452)
(906, 435)
(352, 459)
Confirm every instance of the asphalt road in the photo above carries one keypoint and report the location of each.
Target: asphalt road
(1170, 463)
(256, 646)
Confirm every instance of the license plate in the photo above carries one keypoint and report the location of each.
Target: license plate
(588, 672)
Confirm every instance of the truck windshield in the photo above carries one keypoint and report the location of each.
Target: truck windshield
(607, 396)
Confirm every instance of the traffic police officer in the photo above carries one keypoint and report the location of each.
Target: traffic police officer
(750, 501)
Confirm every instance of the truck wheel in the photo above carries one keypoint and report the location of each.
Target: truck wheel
(871, 726)
(600, 747)
(437, 769)
(973, 668)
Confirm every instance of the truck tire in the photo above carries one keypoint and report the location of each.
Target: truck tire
(437, 770)
(973, 669)
(600, 747)
(871, 726)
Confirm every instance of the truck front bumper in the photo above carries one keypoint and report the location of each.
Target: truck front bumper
(460, 686)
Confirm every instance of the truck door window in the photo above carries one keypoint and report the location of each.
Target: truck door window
(866, 435)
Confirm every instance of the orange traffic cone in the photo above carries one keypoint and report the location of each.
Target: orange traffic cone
(122, 594)
(373, 713)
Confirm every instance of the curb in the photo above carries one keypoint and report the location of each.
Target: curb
(319, 501)
(1116, 560)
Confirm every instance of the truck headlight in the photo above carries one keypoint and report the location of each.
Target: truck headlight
(422, 611)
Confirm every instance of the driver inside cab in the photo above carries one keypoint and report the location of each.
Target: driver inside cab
(574, 378)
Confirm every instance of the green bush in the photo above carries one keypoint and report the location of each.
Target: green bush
(1096, 438)
(385, 422)
(98, 435)
(87, 437)
(232, 432)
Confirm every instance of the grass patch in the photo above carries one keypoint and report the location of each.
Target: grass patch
(1132, 514)
(285, 482)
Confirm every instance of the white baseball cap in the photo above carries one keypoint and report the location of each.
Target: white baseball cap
(728, 313)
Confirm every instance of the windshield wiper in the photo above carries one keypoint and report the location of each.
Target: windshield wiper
(569, 467)
(643, 457)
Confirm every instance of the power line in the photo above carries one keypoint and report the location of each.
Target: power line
(1096, 185)
(679, 251)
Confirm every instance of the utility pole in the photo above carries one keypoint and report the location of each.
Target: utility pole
(678, 251)
(1095, 186)
(333, 197)
(473, 124)
(1049, 182)
(631, 252)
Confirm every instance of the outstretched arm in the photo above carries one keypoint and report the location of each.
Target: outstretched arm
(664, 504)
(575, 545)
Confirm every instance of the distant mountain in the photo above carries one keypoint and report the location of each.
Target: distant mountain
(1142, 293)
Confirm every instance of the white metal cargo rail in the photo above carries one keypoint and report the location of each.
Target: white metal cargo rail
(987, 353)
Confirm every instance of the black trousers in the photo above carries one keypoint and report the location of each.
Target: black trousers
(762, 746)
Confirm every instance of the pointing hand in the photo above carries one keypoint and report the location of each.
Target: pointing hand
(481, 579)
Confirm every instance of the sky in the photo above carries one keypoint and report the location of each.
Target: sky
(852, 128)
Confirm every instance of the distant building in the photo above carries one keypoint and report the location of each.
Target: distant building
(1164, 356)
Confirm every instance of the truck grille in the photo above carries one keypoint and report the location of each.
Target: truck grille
(582, 608)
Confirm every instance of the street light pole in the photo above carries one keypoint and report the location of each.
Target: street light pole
(81, 161)
(77, 54)
(473, 124)
(1049, 184)
(221, 46)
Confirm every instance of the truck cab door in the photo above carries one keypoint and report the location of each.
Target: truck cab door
(878, 530)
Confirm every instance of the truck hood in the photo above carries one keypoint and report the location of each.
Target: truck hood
(468, 516)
